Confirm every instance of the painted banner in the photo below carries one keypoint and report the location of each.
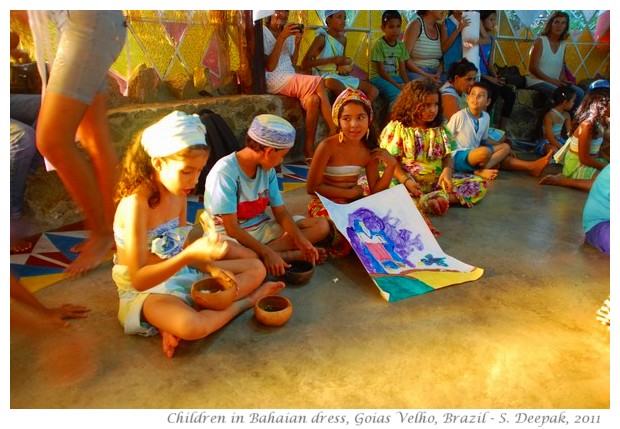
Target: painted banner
(400, 253)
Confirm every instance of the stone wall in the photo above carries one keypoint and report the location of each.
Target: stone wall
(50, 204)
(529, 107)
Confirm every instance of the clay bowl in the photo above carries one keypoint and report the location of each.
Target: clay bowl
(299, 272)
(274, 310)
(213, 293)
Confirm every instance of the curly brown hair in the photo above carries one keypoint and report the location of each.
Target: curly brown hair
(409, 103)
(594, 108)
(137, 170)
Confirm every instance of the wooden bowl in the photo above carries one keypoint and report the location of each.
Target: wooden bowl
(213, 293)
(273, 310)
(299, 272)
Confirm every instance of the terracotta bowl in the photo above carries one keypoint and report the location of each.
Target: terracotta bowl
(213, 293)
(274, 310)
(299, 272)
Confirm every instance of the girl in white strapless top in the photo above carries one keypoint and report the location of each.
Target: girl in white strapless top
(338, 161)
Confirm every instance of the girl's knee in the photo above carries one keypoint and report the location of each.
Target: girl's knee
(313, 102)
(256, 269)
(323, 227)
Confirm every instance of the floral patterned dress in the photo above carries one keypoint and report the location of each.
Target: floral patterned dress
(421, 152)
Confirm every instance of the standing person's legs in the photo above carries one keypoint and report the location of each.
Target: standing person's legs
(56, 142)
(94, 134)
(74, 103)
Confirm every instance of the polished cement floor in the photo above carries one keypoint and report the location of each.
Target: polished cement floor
(522, 336)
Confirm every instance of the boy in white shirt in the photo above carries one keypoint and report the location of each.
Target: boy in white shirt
(477, 153)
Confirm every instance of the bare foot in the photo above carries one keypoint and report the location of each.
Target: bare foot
(21, 246)
(552, 179)
(291, 255)
(266, 289)
(93, 253)
(487, 173)
(540, 164)
(169, 343)
(322, 255)
(438, 205)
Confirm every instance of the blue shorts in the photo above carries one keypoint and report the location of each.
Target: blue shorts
(90, 42)
(460, 161)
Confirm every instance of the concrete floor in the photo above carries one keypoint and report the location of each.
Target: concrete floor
(522, 336)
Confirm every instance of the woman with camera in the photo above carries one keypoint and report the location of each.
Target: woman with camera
(281, 46)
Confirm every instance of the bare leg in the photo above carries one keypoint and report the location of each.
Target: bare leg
(334, 86)
(500, 152)
(481, 156)
(326, 108)
(534, 168)
(369, 89)
(56, 141)
(561, 180)
(177, 321)
(296, 255)
(312, 123)
(249, 273)
(315, 229)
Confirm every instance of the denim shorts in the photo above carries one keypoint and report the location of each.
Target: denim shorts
(90, 41)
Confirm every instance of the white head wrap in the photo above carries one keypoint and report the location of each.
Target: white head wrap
(173, 133)
(273, 131)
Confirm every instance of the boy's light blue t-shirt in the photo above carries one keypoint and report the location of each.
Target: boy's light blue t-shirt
(229, 190)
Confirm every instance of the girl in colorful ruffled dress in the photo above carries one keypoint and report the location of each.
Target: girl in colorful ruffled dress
(419, 140)
(154, 265)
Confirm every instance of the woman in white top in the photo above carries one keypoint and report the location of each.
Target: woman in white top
(547, 58)
(281, 44)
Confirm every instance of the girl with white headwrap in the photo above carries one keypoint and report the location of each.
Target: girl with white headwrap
(154, 265)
